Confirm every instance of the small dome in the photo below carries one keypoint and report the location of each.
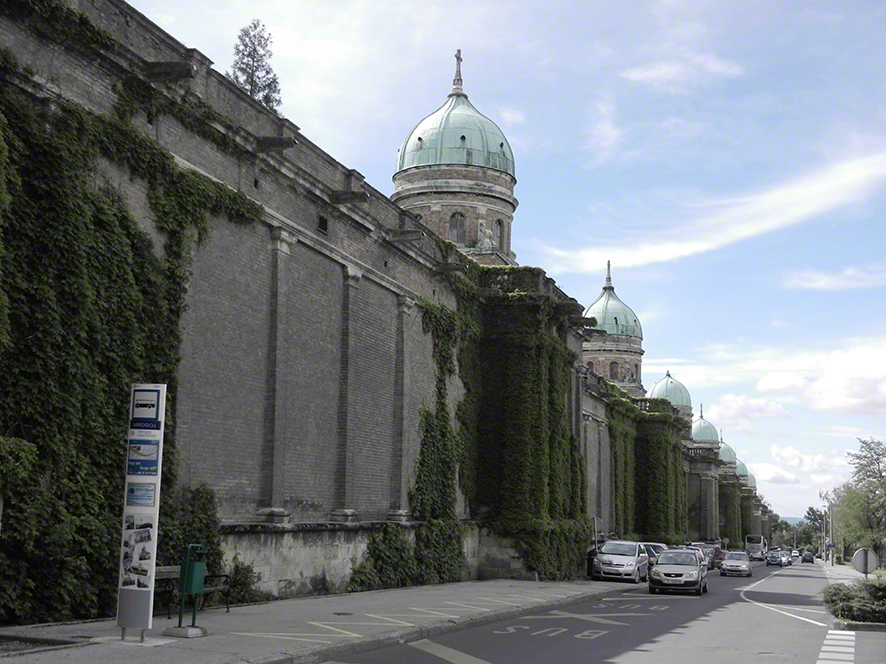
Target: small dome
(752, 481)
(727, 454)
(613, 315)
(456, 133)
(703, 431)
(740, 469)
(673, 390)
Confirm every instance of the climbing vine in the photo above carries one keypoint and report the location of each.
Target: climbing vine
(86, 308)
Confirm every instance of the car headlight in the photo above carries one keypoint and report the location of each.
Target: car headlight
(690, 576)
(597, 562)
(655, 574)
(629, 565)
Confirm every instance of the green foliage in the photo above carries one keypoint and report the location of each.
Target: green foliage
(623, 417)
(188, 515)
(660, 489)
(243, 582)
(81, 280)
(252, 67)
(390, 561)
(57, 21)
(862, 601)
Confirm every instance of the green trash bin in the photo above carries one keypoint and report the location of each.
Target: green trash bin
(193, 577)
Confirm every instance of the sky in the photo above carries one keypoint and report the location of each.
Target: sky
(728, 157)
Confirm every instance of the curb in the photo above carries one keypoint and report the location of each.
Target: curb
(858, 626)
(322, 653)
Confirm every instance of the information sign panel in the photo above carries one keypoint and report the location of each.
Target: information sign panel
(141, 506)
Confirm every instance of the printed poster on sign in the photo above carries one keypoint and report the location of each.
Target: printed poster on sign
(139, 549)
(144, 456)
(140, 494)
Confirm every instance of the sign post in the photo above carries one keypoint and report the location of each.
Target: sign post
(141, 508)
(865, 560)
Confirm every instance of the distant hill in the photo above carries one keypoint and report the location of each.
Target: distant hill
(793, 520)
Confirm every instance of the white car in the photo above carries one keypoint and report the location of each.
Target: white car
(621, 559)
(736, 562)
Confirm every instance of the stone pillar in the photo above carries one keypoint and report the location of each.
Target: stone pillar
(399, 505)
(345, 463)
(273, 496)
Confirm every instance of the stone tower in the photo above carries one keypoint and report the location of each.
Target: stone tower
(614, 348)
(455, 172)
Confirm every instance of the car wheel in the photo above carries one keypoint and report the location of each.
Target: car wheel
(652, 590)
(699, 591)
(722, 573)
(636, 577)
(750, 574)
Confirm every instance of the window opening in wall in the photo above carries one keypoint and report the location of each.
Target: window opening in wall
(613, 371)
(323, 224)
(498, 233)
(255, 183)
(637, 372)
(457, 228)
(615, 318)
(386, 263)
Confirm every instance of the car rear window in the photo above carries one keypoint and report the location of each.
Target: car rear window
(667, 558)
(736, 555)
(616, 549)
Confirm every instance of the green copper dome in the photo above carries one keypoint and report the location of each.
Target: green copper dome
(673, 390)
(613, 315)
(456, 133)
(740, 469)
(752, 481)
(703, 431)
(727, 454)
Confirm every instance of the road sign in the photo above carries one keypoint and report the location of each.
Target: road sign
(865, 560)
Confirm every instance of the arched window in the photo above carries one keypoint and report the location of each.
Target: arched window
(637, 372)
(613, 371)
(497, 233)
(457, 228)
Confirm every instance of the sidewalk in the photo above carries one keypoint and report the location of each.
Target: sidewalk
(842, 573)
(313, 629)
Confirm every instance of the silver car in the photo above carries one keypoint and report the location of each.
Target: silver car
(736, 562)
(621, 559)
(679, 569)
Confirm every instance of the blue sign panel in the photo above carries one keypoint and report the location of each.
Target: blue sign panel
(144, 457)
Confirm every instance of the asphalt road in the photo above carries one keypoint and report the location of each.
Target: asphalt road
(775, 616)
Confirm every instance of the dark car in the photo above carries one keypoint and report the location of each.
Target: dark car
(653, 549)
(808, 557)
(679, 569)
(774, 558)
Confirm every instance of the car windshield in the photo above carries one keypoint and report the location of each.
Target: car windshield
(736, 555)
(619, 549)
(669, 558)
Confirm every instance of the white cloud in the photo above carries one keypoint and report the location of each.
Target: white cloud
(835, 462)
(770, 474)
(736, 412)
(511, 116)
(865, 276)
(679, 74)
(798, 200)
(602, 135)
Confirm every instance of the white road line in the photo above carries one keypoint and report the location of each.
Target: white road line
(447, 654)
(772, 608)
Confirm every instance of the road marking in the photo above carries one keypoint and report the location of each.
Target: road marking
(838, 647)
(445, 653)
(587, 617)
(652, 597)
(772, 608)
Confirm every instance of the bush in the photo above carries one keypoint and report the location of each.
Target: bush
(862, 601)
(243, 580)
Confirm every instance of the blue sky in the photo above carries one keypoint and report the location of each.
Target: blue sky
(729, 158)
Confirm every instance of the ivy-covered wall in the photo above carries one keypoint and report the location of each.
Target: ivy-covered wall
(623, 416)
(730, 513)
(747, 515)
(79, 279)
(660, 491)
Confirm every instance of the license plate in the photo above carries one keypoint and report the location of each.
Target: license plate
(673, 580)
(612, 570)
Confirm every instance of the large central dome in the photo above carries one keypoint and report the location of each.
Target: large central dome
(456, 133)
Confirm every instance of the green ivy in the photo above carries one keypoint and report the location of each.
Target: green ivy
(57, 21)
(86, 309)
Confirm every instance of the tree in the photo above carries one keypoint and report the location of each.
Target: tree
(252, 69)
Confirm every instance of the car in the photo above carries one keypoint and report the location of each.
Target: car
(795, 554)
(808, 557)
(679, 569)
(707, 551)
(774, 558)
(719, 555)
(652, 550)
(785, 559)
(621, 559)
(736, 562)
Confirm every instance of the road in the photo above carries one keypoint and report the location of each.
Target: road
(775, 616)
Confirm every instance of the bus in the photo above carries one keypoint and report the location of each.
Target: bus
(755, 546)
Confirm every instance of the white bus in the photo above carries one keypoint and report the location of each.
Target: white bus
(755, 546)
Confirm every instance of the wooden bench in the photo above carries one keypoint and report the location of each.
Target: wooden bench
(166, 583)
